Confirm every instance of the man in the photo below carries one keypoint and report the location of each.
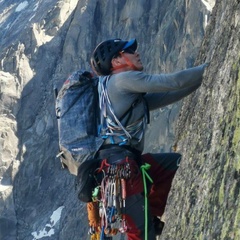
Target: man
(126, 96)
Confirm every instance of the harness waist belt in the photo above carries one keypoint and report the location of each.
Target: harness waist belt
(115, 154)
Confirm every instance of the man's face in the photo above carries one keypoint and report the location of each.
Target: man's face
(126, 60)
(134, 58)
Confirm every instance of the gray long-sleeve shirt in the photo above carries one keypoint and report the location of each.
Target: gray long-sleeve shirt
(160, 90)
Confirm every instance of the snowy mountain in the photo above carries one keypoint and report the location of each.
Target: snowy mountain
(43, 41)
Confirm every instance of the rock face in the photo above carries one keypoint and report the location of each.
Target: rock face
(42, 42)
(205, 200)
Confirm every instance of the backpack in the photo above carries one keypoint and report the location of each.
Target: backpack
(77, 111)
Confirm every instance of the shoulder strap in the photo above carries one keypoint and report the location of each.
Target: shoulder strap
(106, 103)
(134, 104)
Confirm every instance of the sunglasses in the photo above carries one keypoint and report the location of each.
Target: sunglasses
(129, 50)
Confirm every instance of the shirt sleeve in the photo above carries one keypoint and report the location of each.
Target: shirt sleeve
(162, 99)
(139, 82)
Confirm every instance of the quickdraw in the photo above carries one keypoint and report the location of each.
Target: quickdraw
(108, 203)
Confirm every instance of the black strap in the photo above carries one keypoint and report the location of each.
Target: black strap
(133, 105)
(129, 111)
(137, 154)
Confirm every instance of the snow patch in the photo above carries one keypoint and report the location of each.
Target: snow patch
(21, 6)
(83, 9)
(4, 187)
(205, 20)
(30, 19)
(40, 35)
(34, 10)
(49, 228)
(8, 26)
(209, 4)
(36, 7)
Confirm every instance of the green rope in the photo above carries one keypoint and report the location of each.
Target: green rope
(144, 169)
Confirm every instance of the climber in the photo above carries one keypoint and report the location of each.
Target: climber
(132, 93)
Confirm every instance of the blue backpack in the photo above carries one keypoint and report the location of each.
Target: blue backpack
(77, 111)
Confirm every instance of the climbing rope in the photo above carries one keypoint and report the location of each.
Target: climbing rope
(145, 175)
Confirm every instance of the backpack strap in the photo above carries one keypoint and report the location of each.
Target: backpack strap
(106, 103)
(134, 104)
